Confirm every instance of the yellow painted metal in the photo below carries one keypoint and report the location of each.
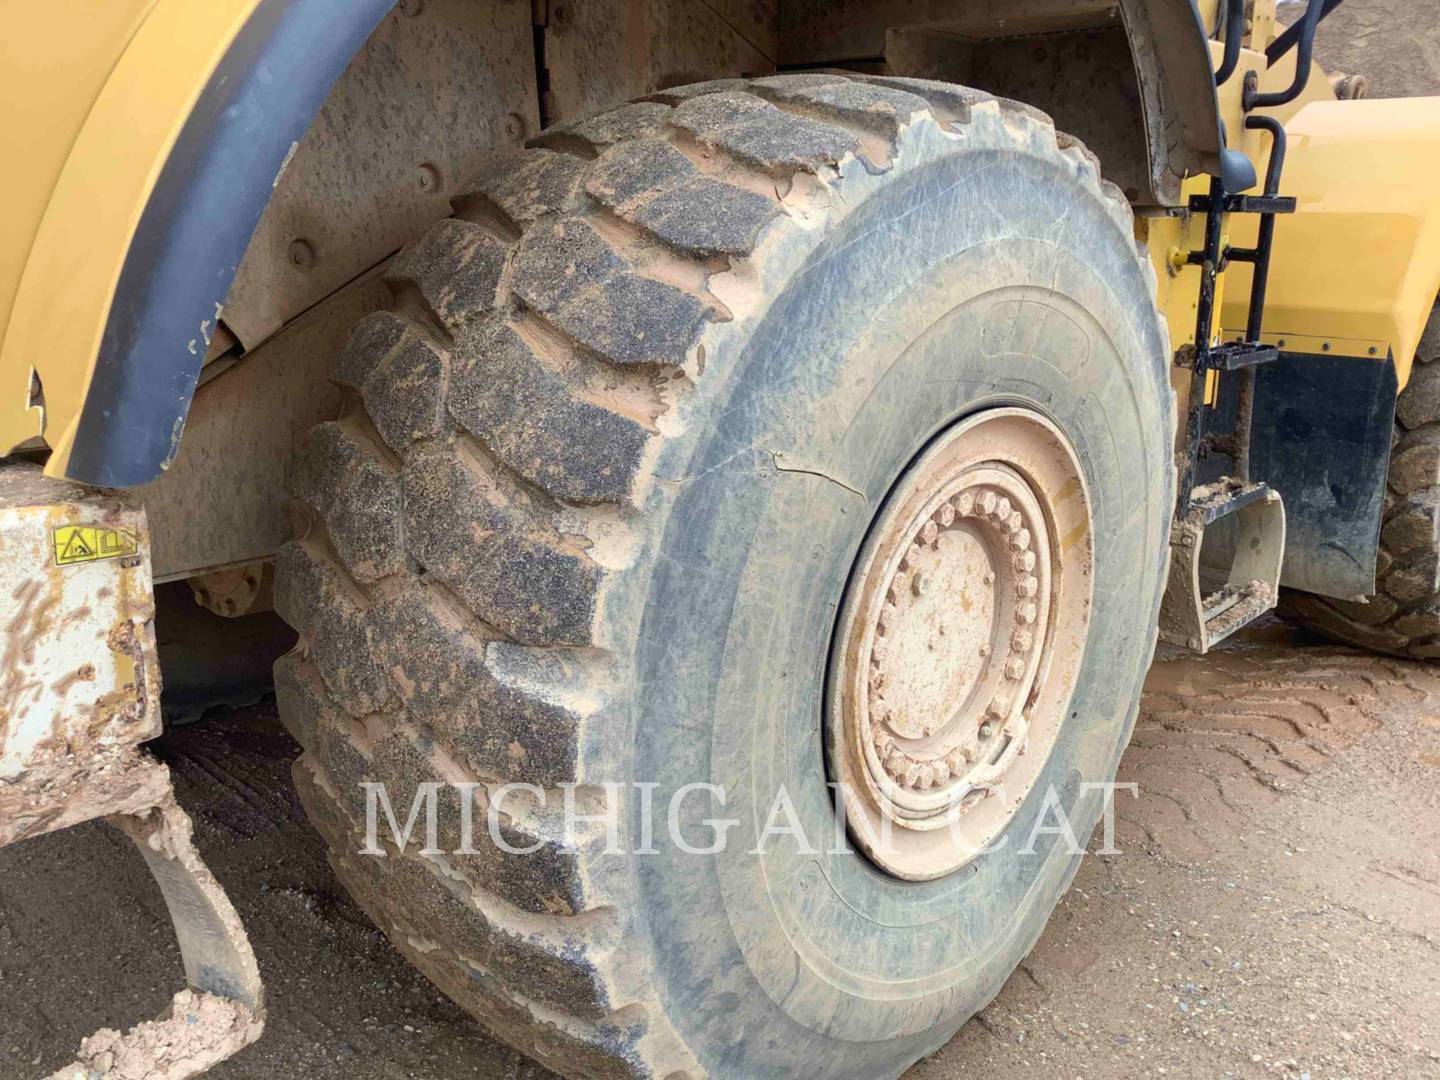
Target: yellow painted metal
(1358, 265)
(55, 59)
(1171, 238)
(1311, 344)
(105, 90)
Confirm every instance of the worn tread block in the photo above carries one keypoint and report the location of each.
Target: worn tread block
(567, 272)
(373, 339)
(561, 261)
(1422, 621)
(552, 968)
(1414, 578)
(405, 392)
(530, 184)
(541, 427)
(362, 511)
(406, 899)
(300, 697)
(708, 217)
(545, 880)
(952, 102)
(638, 171)
(538, 875)
(641, 120)
(485, 539)
(444, 674)
(313, 595)
(1416, 525)
(1379, 609)
(677, 94)
(1415, 468)
(754, 131)
(456, 266)
(1419, 402)
(655, 186)
(876, 108)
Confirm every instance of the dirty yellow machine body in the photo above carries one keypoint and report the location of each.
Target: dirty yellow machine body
(214, 194)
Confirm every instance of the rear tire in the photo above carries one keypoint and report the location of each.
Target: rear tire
(1403, 617)
(589, 517)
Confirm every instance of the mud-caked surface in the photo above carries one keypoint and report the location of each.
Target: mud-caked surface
(1274, 910)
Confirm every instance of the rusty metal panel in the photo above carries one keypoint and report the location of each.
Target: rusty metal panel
(223, 500)
(440, 86)
(603, 52)
(826, 31)
(79, 694)
(80, 686)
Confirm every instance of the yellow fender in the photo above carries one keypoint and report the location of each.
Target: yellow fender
(145, 176)
(1356, 269)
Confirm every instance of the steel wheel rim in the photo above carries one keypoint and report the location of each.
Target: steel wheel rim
(959, 642)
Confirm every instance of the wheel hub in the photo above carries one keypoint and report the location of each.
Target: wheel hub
(947, 634)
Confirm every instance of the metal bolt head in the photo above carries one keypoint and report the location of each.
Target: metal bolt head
(428, 177)
(301, 254)
(987, 729)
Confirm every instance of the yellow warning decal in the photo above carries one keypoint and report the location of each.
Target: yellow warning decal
(89, 543)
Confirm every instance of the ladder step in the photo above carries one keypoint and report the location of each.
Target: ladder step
(1234, 355)
(1246, 204)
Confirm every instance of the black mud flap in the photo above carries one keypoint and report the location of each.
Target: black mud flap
(1321, 437)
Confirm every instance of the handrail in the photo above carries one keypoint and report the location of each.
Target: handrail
(1286, 41)
(1304, 42)
(1234, 31)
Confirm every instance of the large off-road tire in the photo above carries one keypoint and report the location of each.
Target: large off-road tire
(589, 518)
(1403, 617)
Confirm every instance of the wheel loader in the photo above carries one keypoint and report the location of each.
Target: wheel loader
(742, 453)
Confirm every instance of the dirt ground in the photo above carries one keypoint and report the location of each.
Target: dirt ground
(1275, 910)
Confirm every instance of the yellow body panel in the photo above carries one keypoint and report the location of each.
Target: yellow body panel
(59, 74)
(1357, 267)
(131, 72)
(1171, 238)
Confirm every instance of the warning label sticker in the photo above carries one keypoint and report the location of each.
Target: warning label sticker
(90, 543)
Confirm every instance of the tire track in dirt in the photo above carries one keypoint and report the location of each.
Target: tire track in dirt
(1255, 745)
(1273, 908)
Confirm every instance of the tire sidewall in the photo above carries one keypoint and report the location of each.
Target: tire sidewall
(964, 281)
